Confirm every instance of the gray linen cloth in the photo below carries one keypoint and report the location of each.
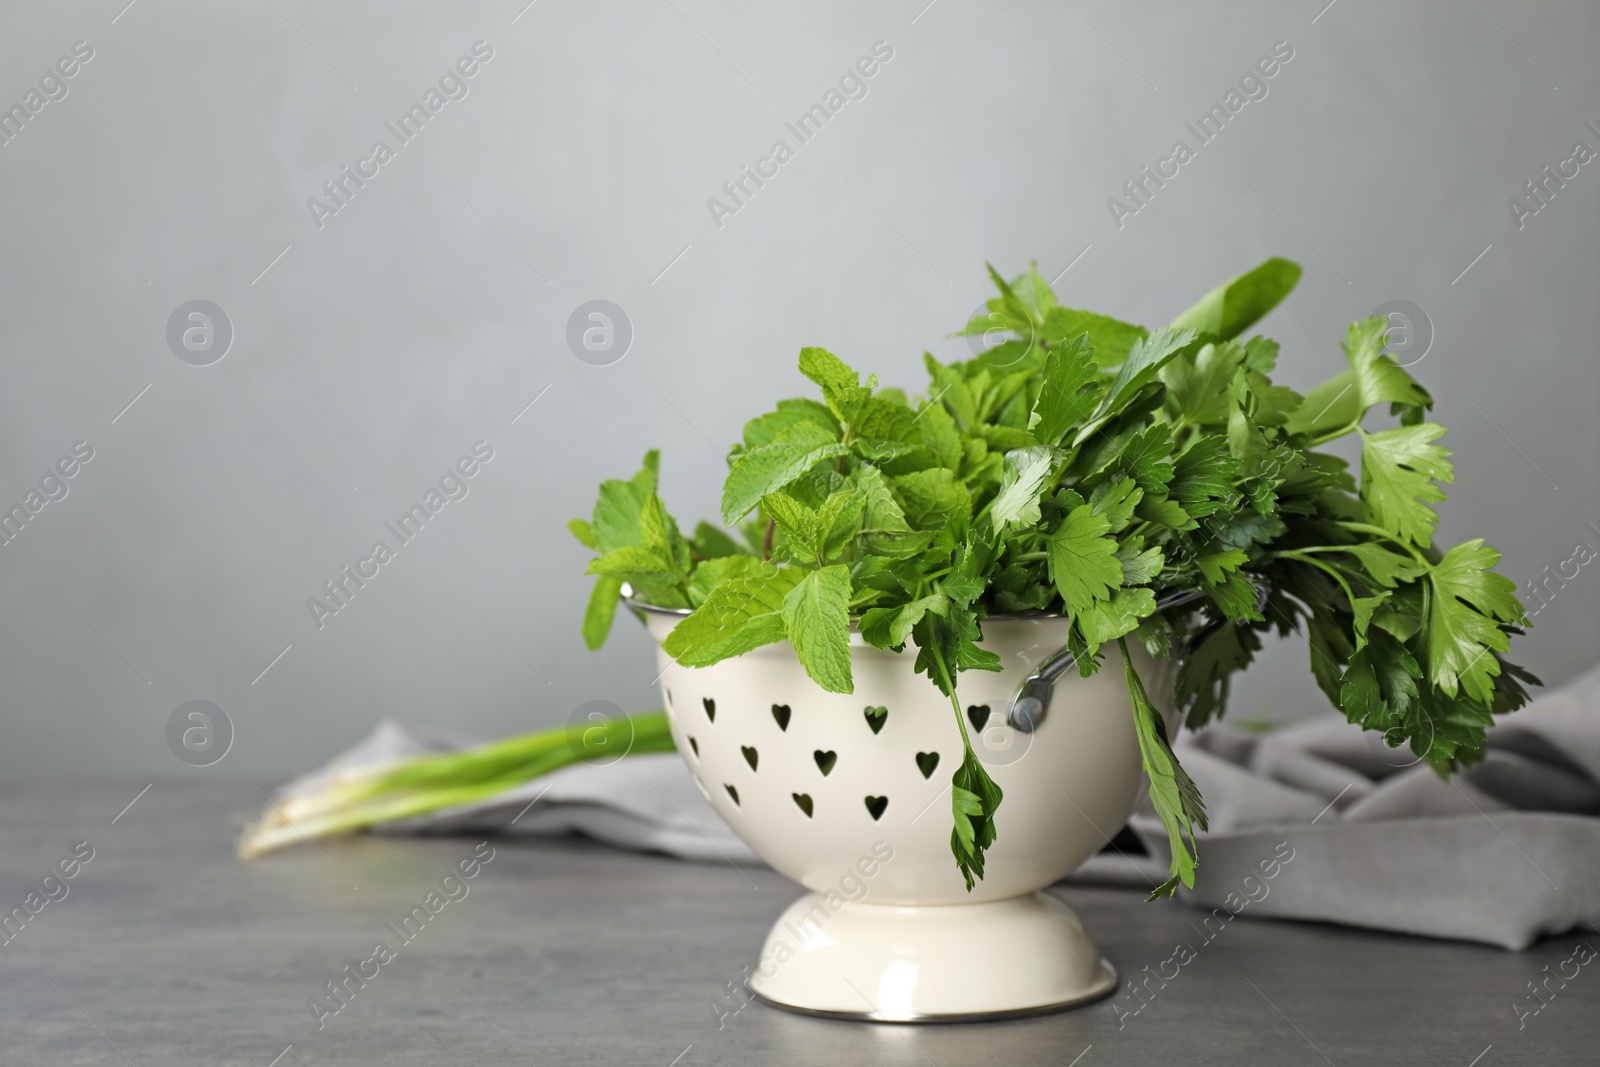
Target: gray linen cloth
(1504, 853)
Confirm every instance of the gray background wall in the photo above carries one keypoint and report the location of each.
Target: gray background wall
(433, 308)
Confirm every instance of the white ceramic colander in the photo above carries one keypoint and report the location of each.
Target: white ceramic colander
(849, 795)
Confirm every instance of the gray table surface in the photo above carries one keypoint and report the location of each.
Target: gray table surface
(167, 950)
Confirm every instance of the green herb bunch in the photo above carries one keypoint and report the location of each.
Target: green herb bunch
(1087, 466)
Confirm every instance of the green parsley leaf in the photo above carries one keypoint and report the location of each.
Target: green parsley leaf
(1172, 792)
(1469, 600)
(1070, 390)
(1377, 378)
(974, 799)
(1083, 560)
(1018, 501)
(1144, 362)
(1398, 470)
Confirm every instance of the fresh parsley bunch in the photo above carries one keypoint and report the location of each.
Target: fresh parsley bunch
(1087, 466)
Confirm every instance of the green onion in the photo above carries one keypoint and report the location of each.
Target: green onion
(400, 789)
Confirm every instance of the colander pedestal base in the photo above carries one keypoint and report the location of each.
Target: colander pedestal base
(947, 963)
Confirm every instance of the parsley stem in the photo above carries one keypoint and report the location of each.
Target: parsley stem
(949, 687)
(1378, 531)
(1330, 571)
(1333, 435)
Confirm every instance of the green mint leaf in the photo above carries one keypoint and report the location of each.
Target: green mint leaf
(932, 498)
(1469, 600)
(584, 533)
(885, 419)
(741, 614)
(838, 521)
(939, 435)
(816, 618)
(773, 466)
(1109, 339)
(658, 533)
(712, 543)
(950, 388)
(797, 522)
(658, 566)
(1398, 470)
(712, 572)
(841, 386)
(1033, 292)
(1172, 792)
(766, 428)
(1006, 438)
(884, 530)
(1235, 306)
(601, 610)
(882, 513)
(617, 509)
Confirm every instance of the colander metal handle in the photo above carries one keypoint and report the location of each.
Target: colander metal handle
(1032, 700)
